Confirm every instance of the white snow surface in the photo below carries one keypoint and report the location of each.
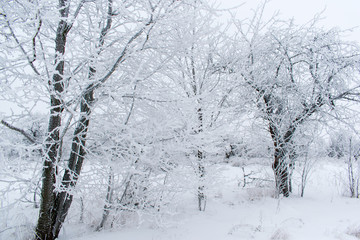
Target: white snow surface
(234, 212)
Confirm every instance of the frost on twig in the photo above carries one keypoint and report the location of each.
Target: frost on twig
(21, 131)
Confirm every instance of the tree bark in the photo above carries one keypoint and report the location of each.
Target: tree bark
(64, 199)
(50, 153)
(108, 200)
(282, 176)
(201, 167)
(282, 159)
(281, 141)
(201, 187)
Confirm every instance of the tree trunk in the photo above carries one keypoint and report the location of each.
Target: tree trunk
(78, 152)
(282, 176)
(201, 187)
(108, 200)
(201, 167)
(50, 153)
(64, 199)
(44, 226)
(281, 165)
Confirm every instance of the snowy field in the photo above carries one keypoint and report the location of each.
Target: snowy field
(250, 212)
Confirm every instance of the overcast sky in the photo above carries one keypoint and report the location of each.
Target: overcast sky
(337, 13)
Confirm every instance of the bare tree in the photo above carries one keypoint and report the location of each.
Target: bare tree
(68, 93)
(296, 71)
(194, 79)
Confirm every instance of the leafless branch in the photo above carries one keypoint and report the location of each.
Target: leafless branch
(77, 11)
(20, 46)
(34, 40)
(21, 131)
(119, 60)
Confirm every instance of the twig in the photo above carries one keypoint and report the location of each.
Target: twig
(31, 63)
(21, 131)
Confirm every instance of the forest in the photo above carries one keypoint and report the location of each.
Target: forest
(116, 113)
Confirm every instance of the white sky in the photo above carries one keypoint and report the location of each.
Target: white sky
(337, 13)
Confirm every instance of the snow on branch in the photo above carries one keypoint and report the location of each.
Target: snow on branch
(21, 131)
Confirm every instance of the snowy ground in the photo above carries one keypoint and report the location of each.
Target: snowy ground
(234, 212)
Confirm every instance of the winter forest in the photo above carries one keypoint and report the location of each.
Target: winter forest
(160, 119)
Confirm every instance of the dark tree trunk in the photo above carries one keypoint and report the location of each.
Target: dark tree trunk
(282, 176)
(50, 153)
(64, 199)
(44, 227)
(281, 165)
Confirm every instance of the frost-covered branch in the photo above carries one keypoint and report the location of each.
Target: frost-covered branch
(21, 131)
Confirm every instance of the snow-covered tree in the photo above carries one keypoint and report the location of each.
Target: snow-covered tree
(68, 50)
(296, 72)
(193, 77)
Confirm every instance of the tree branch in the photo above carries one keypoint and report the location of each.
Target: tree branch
(119, 60)
(21, 131)
(34, 39)
(21, 47)
(76, 14)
